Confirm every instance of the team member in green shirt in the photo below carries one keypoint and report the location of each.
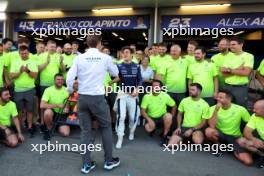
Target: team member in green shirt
(162, 58)
(154, 55)
(3, 76)
(192, 45)
(154, 110)
(236, 71)
(68, 57)
(174, 73)
(219, 59)
(260, 73)
(224, 125)
(53, 100)
(195, 112)
(254, 131)
(24, 72)
(9, 118)
(204, 73)
(50, 63)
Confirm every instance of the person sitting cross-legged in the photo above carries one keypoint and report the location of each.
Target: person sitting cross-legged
(53, 100)
(195, 112)
(154, 110)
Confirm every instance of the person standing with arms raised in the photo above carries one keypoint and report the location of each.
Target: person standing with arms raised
(90, 68)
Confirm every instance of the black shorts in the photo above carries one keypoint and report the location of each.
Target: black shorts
(25, 100)
(229, 139)
(41, 90)
(3, 134)
(184, 129)
(159, 122)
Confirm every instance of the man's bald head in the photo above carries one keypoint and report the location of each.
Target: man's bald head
(67, 48)
(259, 108)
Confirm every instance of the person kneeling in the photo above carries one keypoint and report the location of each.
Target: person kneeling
(254, 132)
(224, 125)
(7, 110)
(154, 110)
(53, 101)
(195, 111)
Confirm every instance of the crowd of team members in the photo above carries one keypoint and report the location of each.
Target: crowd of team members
(205, 98)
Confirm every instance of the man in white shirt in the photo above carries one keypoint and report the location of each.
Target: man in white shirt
(90, 69)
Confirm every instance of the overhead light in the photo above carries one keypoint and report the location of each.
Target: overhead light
(20, 35)
(240, 32)
(51, 12)
(58, 38)
(3, 6)
(2, 16)
(121, 38)
(199, 6)
(144, 34)
(115, 34)
(38, 39)
(79, 38)
(146, 38)
(112, 9)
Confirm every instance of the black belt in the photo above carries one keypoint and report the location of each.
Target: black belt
(242, 85)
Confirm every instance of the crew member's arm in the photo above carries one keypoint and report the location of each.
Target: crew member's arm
(62, 66)
(179, 123)
(44, 65)
(14, 75)
(216, 86)
(32, 74)
(145, 115)
(45, 105)
(248, 134)
(18, 128)
(260, 78)
(213, 120)
(72, 74)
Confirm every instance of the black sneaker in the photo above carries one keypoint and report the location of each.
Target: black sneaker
(88, 167)
(109, 165)
(261, 163)
(47, 135)
(43, 128)
(218, 154)
(151, 134)
(31, 132)
(163, 141)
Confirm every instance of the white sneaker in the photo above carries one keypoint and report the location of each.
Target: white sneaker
(131, 136)
(119, 142)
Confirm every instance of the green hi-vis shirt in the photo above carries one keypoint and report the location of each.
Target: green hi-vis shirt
(48, 73)
(261, 68)
(24, 82)
(67, 61)
(229, 120)
(257, 123)
(174, 72)
(156, 106)
(219, 60)
(10, 57)
(52, 95)
(107, 80)
(194, 111)
(7, 111)
(160, 62)
(245, 59)
(152, 60)
(203, 73)
(2, 64)
(190, 59)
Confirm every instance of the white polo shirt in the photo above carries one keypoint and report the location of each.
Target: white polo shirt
(90, 68)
